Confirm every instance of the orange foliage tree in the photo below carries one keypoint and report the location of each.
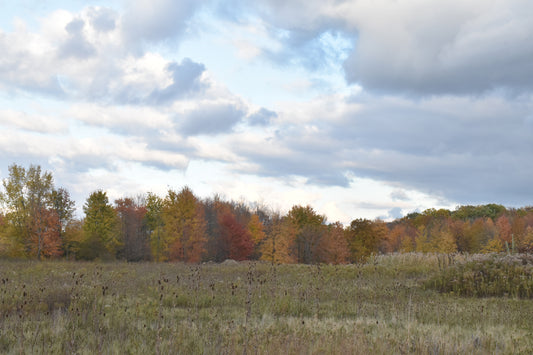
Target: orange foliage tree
(333, 246)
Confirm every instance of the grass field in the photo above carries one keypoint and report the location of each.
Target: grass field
(382, 307)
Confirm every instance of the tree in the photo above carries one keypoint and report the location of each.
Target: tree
(333, 247)
(215, 248)
(236, 237)
(15, 202)
(310, 229)
(279, 241)
(184, 226)
(364, 237)
(74, 238)
(504, 229)
(100, 227)
(422, 241)
(131, 216)
(28, 200)
(64, 208)
(154, 224)
(256, 229)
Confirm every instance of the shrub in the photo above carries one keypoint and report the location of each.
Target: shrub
(486, 275)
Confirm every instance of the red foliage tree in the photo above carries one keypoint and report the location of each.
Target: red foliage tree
(237, 239)
(45, 235)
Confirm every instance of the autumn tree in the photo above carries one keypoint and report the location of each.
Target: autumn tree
(257, 234)
(310, 229)
(73, 238)
(100, 227)
(237, 239)
(333, 246)
(504, 230)
(134, 233)
(364, 237)
(184, 226)
(279, 241)
(27, 198)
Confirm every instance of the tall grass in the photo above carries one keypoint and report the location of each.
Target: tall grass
(382, 306)
(487, 275)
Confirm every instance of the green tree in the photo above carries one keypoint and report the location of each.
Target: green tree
(64, 208)
(154, 223)
(100, 227)
(27, 197)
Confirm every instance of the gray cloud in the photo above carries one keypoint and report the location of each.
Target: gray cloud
(103, 19)
(469, 150)
(76, 45)
(419, 48)
(262, 117)
(185, 80)
(458, 48)
(210, 119)
(157, 20)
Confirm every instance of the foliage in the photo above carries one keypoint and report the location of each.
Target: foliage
(364, 238)
(154, 224)
(236, 237)
(278, 244)
(184, 226)
(37, 221)
(133, 229)
(257, 234)
(100, 227)
(34, 227)
(310, 230)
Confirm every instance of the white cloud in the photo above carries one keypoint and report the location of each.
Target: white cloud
(255, 104)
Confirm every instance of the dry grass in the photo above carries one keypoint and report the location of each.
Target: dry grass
(382, 306)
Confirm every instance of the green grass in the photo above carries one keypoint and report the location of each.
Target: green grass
(383, 306)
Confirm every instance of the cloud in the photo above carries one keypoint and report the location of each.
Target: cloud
(83, 56)
(407, 47)
(469, 150)
(103, 19)
(157, 20)
(185, 80)
(210, 119)
(76, 45)
(262, 117)
(452, 47)
(32, 122)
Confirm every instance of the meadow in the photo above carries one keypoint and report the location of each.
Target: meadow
(394, 304)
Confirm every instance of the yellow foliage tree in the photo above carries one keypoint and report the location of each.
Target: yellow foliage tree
(277, 245)
(184, 226)
(256, 229)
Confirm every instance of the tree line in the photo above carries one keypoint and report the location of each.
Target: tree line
(37, 220)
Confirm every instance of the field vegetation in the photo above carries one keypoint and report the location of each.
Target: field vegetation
(393, 304)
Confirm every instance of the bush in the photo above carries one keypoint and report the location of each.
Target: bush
(486, 275)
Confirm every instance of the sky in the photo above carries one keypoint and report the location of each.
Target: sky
(361, 108)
